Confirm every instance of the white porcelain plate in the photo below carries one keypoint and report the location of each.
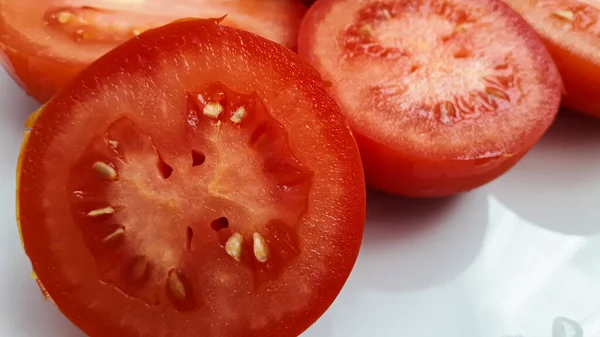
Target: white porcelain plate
(517, 258)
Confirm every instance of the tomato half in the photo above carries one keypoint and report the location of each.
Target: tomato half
(163, 192)
(45, 43)
(443, 95)
(571, 30)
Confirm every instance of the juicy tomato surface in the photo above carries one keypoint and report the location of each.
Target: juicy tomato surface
(162, 192)
(571, 31)
(45, 43)
(443, 95)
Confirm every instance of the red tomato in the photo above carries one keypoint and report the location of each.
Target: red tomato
(443, 95)
(46, 43)
(571, 30)
(163, 192)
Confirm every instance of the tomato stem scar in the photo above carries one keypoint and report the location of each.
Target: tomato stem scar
(261, 250)
(106, 170)
(102, 211)
(213, 109)
(238, 115)
(233, 246)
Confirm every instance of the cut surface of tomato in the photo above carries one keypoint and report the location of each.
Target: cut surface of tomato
(46, 43)
(198, 180)
(571, 31)
(443, 96)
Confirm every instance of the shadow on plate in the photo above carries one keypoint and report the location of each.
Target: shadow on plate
(557, 185)
(26, 310)
(414, 244)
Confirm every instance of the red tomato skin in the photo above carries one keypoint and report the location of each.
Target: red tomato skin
(42, 77)
(577, 62)
(403, 173)
(30, 177)
(581, 80)
(395, 172)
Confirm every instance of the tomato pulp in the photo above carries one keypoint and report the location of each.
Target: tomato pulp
(46, 43)
(443, 95)
(571, 30)
(163, 192)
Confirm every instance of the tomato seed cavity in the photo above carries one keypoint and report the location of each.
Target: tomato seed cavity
(220, 223)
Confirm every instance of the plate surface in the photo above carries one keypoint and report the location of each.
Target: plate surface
(517, 258)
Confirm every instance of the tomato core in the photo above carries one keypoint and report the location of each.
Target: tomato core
(244, 191)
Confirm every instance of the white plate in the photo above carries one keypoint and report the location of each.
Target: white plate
(517, 258)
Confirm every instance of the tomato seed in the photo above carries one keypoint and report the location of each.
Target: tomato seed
(113, 143)
(64, 17)
(497, 93)
(367, 30)
(176, 286)
(139, 269)
(233, 246)
(213, 109)
(102, 211)
(261, 250)
(565, 14)
(106, 170)
(238, 115)
(117, 234)
(386, 13)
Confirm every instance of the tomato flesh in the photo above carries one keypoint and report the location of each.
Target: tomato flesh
(46, 43)
(571, 30)
(167, 195)
(440, 110)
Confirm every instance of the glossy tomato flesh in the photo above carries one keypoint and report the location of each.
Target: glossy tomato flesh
(571, 30)
(46, 43)
(443, 95)
(197, 181)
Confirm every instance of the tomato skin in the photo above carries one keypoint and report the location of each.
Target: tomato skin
(62, 263)
(575, 50)
(401, 169)
(42, 72)
(581, 80)
(39, 77)
(423, 177)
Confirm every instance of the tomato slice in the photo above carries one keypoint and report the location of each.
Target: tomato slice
(46, 43)
(571, 30)
(443, 95)
(162, 192)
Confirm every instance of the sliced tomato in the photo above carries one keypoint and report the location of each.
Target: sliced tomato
(571, 31)
(187, 185)
(443, 95)
(45, 43)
